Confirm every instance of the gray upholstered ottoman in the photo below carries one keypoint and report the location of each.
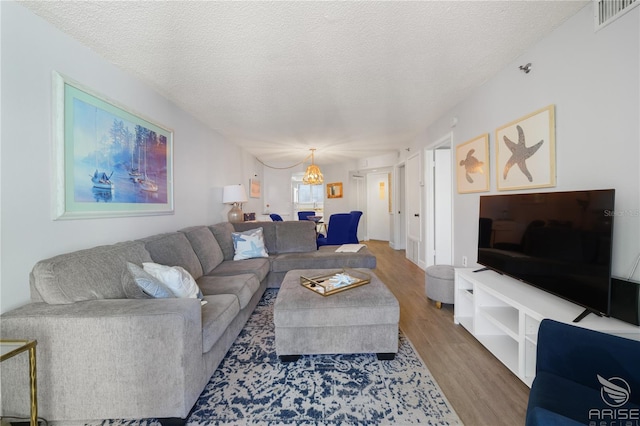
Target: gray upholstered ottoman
(438, 284)
(359, 320)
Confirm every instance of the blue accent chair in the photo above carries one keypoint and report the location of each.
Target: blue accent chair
(567, 389)
(305, 214)
(353, 226)
(338, 231)
(275, 217)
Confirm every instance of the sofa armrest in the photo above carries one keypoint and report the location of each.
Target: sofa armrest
(579, 355)
(97, 358)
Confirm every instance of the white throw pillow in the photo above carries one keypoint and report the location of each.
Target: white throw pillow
(249, 244)
(179, 281)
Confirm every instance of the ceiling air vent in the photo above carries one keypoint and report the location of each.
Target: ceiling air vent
(607, 11)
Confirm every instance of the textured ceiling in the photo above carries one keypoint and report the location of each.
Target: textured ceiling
(351, 79)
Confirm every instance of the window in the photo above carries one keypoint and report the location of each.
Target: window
(309, 194)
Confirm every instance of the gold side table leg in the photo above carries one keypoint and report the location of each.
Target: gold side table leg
(34, 390)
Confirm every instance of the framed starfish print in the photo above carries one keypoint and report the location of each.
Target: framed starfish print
(472, 165)
(526, 151)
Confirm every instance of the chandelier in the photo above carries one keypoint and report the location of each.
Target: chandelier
(313, 175)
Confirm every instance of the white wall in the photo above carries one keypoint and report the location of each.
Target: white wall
(31, 49)
(339, 173)
(277, 190)
(254, 170)
(594, 81)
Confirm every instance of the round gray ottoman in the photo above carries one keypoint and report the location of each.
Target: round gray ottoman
(438, 284)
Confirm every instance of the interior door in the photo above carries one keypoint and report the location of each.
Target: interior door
(379, 223)
(438, 222)
(400, 228)
(413, 198)
(442, 211)
(358, 183)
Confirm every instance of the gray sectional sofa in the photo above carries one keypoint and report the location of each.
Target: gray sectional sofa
(106, 350)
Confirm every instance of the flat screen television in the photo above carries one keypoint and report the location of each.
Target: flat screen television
(559, 242)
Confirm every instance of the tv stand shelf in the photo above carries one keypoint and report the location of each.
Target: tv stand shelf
(504, 315)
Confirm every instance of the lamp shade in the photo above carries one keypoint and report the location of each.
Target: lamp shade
(234, 194)
(313, 176)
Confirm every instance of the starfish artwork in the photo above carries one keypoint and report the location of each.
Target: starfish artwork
(471, 165)
(519, 154)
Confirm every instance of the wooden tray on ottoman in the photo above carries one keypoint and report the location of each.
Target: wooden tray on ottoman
(324, 286)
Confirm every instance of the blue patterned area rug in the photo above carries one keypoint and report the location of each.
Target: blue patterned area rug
(252, 387)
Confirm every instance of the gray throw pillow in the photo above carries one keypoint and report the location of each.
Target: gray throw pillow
(149, 284)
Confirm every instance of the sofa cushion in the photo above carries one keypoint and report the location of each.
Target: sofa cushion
(89, 274)
(175, 278)
(248, 244)
(150, 286)
(268, 232)
(295, 236)
(242, 286)
(206, 247)
(173, 249)
(217, 314)
(323, 258)
(258, 267)
(222, 231)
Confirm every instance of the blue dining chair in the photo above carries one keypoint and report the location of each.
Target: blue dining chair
(338, 231)
(275, 217)
(353, 226)
(303, 215)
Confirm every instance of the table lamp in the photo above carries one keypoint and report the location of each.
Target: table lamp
(236, 195)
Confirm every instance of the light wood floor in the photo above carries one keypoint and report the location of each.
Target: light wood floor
(480, 388)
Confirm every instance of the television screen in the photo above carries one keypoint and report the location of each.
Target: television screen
(557, 241)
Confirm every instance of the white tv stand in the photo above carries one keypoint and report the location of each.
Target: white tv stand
(504, 315)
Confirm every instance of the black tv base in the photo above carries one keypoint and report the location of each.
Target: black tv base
(585, 313)
(488, 269)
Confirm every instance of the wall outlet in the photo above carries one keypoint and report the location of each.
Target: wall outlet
(464, 261)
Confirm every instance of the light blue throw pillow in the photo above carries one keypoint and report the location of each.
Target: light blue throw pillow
(249, 244)
(148, 283)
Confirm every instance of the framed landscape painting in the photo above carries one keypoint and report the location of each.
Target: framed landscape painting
(109, 161)
(526, 150)
(472, 165)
